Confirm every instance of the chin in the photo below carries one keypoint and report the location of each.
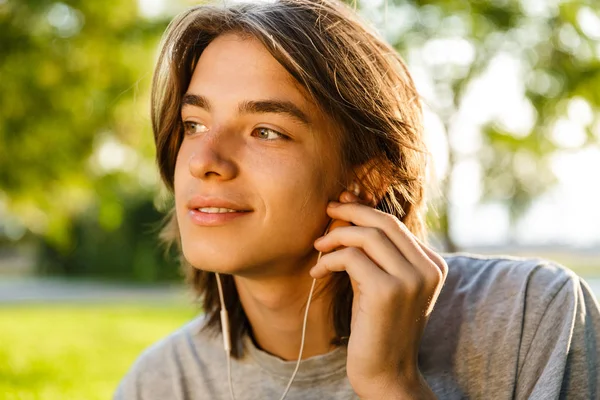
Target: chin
(221, 258)
(209, 260)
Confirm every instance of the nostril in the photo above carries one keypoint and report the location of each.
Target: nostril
(208, 163)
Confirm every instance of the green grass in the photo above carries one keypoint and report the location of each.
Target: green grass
(80, 352)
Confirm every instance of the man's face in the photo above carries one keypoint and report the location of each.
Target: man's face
(256, 167)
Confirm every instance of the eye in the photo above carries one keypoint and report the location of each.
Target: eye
(191, 127)
(267, 134)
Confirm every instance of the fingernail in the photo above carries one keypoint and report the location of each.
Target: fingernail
(334, 204)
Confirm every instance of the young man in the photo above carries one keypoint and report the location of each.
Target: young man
(271, 120)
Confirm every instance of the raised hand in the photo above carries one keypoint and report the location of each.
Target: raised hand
(396, 281)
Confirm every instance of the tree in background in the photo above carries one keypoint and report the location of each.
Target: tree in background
(554, 48)
(76, 151)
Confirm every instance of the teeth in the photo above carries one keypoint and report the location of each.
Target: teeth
(215, 210)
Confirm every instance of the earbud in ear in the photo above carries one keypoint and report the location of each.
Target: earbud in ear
(354, 188)
(364, 197)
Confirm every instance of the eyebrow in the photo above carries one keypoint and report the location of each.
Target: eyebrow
(253, 107)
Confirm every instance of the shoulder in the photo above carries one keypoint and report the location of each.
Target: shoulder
(506, 275)
(529, 325)
(151, 375)
(487, 316)
(502, 289)
(493, 293)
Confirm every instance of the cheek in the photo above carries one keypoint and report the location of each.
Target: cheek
(299, 188)
(181, 172)
(181, 182)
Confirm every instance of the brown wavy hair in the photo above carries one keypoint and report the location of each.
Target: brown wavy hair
(348, 71)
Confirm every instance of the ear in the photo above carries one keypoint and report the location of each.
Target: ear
(368, 183)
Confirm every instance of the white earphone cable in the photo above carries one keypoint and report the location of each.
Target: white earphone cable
(310, 294)
(227, 338)
(226, 334)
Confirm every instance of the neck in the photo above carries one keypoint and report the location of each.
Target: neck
(275, 308)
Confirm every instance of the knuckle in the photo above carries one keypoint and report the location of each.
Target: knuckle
(443, 267)
(392, 222)
(434, 277)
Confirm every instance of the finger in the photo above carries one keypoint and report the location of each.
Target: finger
(431, 272)
(435, 257)
(373, 242)
(345, 197)
(359, 267)
(443, 268)
(395, 230)
(335, 224)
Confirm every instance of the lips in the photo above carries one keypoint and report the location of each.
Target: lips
(215, 205)
(214, 212)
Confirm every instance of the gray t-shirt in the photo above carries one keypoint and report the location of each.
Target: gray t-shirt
(502, 328)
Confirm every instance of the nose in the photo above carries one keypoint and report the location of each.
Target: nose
(212, 158)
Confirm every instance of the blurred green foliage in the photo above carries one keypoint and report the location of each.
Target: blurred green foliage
(556, 45)
(125, 251)
(76, 151)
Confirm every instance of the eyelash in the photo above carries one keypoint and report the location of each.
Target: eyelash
(279, 134)
(189, 126)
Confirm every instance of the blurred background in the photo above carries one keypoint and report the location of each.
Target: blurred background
(511, 91)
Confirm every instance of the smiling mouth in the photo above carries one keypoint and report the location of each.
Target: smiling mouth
(215, 216)
(217, 210)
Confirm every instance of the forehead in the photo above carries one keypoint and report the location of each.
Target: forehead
(234, 67)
